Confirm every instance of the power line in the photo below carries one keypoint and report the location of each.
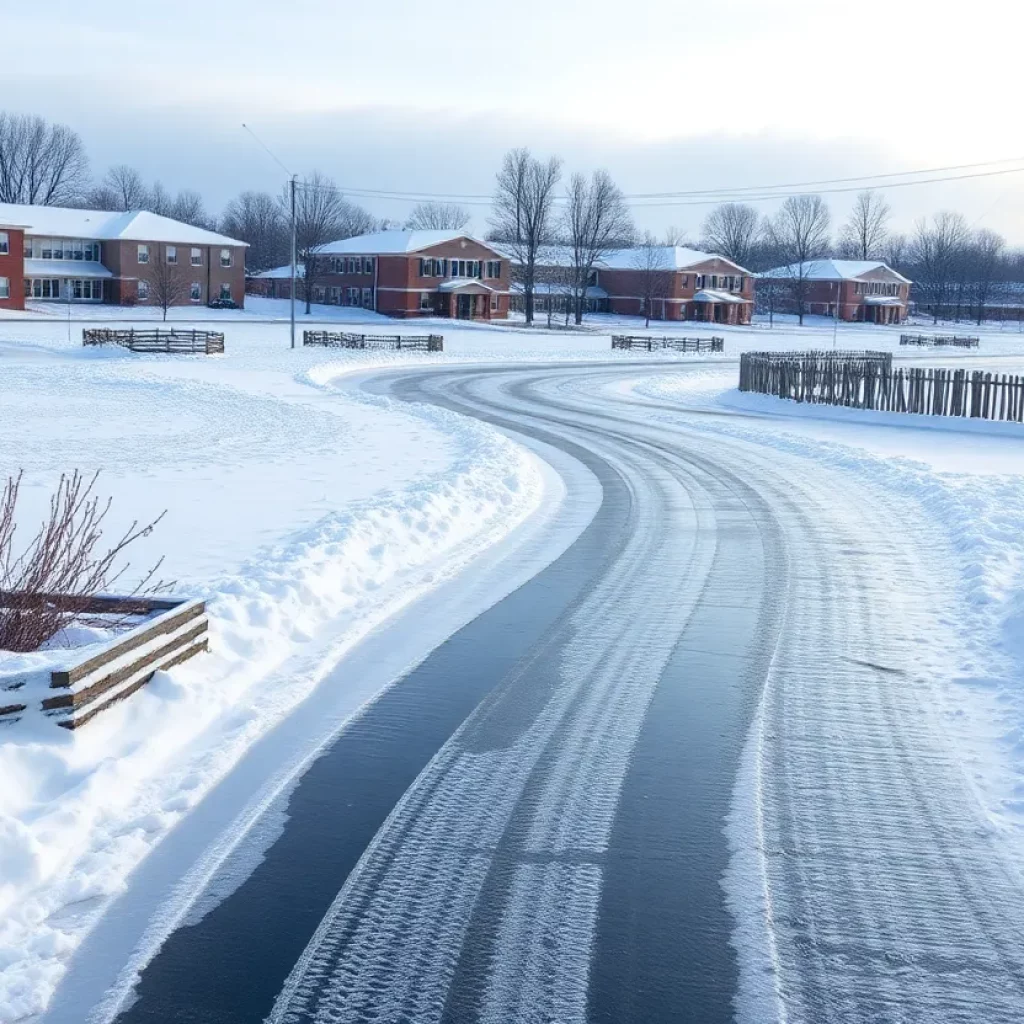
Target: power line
(715, 196)
(411, 195)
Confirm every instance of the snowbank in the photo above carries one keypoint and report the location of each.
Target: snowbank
(77, 812)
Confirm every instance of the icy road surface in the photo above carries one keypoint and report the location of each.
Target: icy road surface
(693, 771)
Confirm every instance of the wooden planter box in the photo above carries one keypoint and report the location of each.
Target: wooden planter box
(172, 631)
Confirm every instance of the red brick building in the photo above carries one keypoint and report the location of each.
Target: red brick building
(679, 284)
(405, 274)
(12, 266)
(93, 256)
(868, 291)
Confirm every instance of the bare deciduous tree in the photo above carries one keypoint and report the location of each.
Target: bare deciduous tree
(256, 218)
(596, 223)
(731, 230)
(799, 234)
(160, 200)
(46, 582)
(677, 236)
(896, 250)
(437, 217)
(523, 216)
(41, 163)
(322, 215)
(122, 188)
(166, 282)
(865, 233)
(189, 209)
(936, 251)
(651, 260)
(984, 254)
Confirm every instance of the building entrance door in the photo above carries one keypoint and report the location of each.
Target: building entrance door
(464, 307)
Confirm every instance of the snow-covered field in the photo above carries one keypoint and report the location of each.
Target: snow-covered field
(308, 513)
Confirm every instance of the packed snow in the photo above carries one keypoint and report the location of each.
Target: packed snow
(307, 513)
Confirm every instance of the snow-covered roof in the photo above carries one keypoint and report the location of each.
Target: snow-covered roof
(387, 243)
(65, 268)
(105, 226)
(279, 273)
(831, 270)
(666, 257)
(713, 295)
(455, 283)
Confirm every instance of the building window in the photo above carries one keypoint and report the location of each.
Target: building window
(225, 258)
(5, 288)
(197, 257)
(425, 302)
(5, 244)
(90, 251)
(353, 265)
(494, 268)
(143, 254)
(367, 298)
(144, 289)
(172, 254)
(494, 303)
(225, 291)
(351, 296)
(195, 292)
(367, 264)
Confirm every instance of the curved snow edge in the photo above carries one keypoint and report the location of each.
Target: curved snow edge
(276, 628)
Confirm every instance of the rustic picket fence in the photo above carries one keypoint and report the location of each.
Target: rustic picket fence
(167, 631)
(930, 340)
(398, 342)
(867, 383)
(157, 340)
(638, 341)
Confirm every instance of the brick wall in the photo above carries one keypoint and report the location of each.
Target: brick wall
(12, 267)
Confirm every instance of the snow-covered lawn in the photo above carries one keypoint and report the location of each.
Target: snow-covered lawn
(307, 514)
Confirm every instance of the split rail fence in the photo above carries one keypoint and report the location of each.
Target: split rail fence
(188, 342)
(850, 379)
(170, 631)
(939, 339)
(632, 341)
(398, 342)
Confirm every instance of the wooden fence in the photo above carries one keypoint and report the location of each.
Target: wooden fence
(398, 342)
(871, 384)
(938, 339)
(206, 342)
(632, 341)
(171, 631)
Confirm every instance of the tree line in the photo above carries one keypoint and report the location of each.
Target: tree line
(956, 268)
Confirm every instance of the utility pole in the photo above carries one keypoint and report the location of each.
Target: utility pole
(294, 259)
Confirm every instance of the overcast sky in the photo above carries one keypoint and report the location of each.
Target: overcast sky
(668, 96)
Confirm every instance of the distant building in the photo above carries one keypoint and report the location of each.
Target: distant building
(405, 274)
(690, 285)
(864, 290)
(63, 255)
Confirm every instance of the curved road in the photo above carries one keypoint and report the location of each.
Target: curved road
(532, 825)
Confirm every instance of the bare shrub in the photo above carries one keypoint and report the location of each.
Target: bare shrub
(47, 587)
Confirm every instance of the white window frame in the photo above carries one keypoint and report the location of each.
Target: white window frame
(5, 287)
(367, 264)
(367, 298)
(171, 254)
(426, 301)
(197, 257)
(143, 290)
(195, 291)
(142, 253)
(225, 291)
(351, 296)
(225, 259)
(5, 244)
(494, 302)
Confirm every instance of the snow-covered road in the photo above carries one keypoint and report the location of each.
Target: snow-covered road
(708, 773)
